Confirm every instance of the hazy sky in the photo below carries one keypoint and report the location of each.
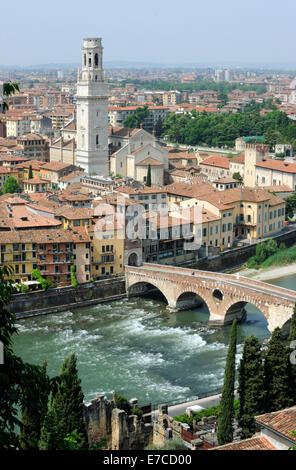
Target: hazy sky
(161, 31)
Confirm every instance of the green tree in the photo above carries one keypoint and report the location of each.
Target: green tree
(17, 379)
(30, 172)
(135, 120)
(277, 373)
(52, 436)
(45, 283)
(237, 176)
(148, 179)
(292, 337)
(290, 206)
(11, 186)
(8, 90)
(226, 415)
(67, 400)
(250, 386)
(33, 411)
(119, 401)
(74, 281)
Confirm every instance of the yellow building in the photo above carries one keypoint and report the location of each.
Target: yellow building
(245, 212)
(6, 172)
(74, 216)
(107, 247)
(21, 256)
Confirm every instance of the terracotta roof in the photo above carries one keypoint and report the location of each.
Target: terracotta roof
(149, 161)
(217, 161)
(283, 422)
(225, 180)
(283, 188)
(71, 176)
(36, 181)
(277, 165)
(31, 137)
(13, 158)
(240, 158)
(75, 235)
(254, 443)
(146, 190)
(56, 166)
(70, 212)
(121, 131)
(35, 164)
(189, 190)
(247, 194)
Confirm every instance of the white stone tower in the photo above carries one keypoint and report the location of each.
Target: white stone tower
(92, 110)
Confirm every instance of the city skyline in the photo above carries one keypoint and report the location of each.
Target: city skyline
(159, 34)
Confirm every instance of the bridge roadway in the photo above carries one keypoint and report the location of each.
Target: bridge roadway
(225, 295)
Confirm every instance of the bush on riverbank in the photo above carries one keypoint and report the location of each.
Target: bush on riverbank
(45, 283)
(264, 251)
(281, 258)
(198, 415)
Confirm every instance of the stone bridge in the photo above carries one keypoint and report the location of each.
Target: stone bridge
(225, 295)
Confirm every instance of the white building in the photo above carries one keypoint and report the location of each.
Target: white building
(138, 151)
(92, 110)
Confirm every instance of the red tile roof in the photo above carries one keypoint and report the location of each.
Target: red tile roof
(217, 161)
(254, 443)
(283, 422)
(277, 165)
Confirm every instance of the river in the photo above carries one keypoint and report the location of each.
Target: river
(137, 348)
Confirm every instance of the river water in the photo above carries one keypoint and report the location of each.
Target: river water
(137, 348)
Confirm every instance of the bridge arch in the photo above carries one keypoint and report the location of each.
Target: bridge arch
(144, 288)
(190, 299)
(238, 310)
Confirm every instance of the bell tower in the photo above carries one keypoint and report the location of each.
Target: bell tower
(92, 110)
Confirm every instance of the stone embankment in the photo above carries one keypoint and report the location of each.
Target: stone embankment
(60, 299)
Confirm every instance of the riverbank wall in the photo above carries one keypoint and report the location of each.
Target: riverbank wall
(63, 298)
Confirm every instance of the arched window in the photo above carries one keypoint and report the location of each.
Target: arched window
(84, 60)
(96, 60)
(89, 62)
